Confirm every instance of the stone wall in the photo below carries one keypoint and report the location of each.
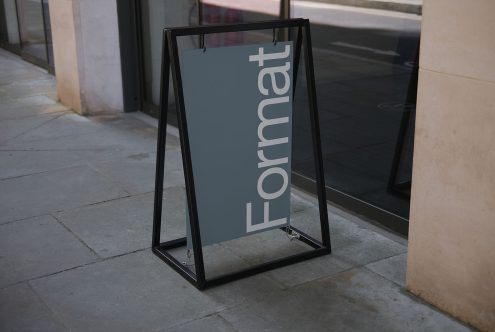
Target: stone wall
(451, 261)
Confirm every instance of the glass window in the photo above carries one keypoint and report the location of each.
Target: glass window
(25, 29)
(366, 58)
(366, 75)
(32, 29)
(9, 34)
(155, 16)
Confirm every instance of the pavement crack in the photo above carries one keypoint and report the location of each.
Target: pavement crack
(55, 314)
(62, 111)
(22, 219)
(35, 173)
(73, 268)
(213, 314)
(54, 216)
(31, 129)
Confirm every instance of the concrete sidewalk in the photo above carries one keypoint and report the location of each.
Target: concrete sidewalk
(76, 197)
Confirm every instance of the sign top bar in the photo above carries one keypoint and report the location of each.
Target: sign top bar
(221, 28)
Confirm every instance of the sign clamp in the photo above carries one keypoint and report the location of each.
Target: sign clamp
(170, 65)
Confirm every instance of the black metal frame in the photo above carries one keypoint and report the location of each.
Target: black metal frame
(170, 60)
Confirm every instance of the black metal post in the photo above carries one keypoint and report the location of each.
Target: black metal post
(315, 126)
(161, 142)
(297, 56)
(187, 163)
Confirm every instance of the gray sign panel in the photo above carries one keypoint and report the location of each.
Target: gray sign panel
(238, 103)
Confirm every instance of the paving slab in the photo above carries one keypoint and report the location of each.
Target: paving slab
(248, 290)
(392, 268)
(212, 323)
(216, 258)
(20, 74)
(308, 221)
(10, 63)
(22, 310)
(354, 300)
(16, 110)
(263, 247)
(371, 247)
(309, 270)
(10, 129)
(136, 173)
(135, 292)
(74, 132)
(26, 162)
(126, 124)
(105, 139)
(125, 225)
(38, 246)
(351, 242)
(41, 193)
(65, 125)
(32, 87)
(40, 101)
(300, 201)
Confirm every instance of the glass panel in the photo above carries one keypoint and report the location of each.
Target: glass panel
(366, 76)
(231, 12)
(9, 27)
(155, 16)
(158, 14)
(32, 29)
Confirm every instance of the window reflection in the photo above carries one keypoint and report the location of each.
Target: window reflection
(155, 16)
(31, 28)
(365, 65)
(25, 29)
(214, 14)
(48, 31)
(9, 26)
(231, 12)
(366, 75)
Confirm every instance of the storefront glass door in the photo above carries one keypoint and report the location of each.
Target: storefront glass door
(25, 29)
